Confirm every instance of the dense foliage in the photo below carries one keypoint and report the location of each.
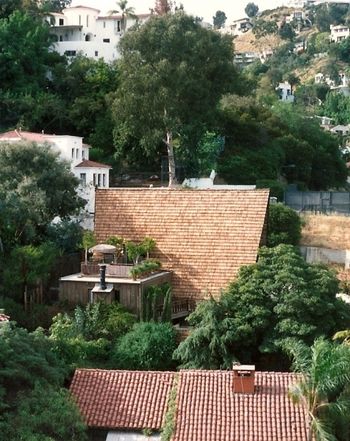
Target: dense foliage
(33, 404)
(323, 389)
(284, 226)
(167, 89)
(148, 346)
(280, 297)
(35, 187)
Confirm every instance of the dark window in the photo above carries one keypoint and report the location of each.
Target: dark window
(71, 53)
(96, 53)
(106, 40)
(61, 22)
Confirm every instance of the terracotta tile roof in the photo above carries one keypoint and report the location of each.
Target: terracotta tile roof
(203, 236)
(88, 163)
(4, 317)
(207, 409)
(21, 135)
(122, 399)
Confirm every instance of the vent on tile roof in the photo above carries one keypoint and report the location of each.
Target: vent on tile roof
(243, 379)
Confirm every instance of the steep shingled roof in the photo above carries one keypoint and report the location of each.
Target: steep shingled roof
(207, 409)
(203, 236)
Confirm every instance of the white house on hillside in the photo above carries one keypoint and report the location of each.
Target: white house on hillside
(72, 149)
(285, 92)
(82, 29)
(339, 33)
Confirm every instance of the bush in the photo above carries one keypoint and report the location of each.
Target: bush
(148, 346)
(284, 226)
(85, 338)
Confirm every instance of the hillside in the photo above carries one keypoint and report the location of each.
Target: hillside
(328, 231)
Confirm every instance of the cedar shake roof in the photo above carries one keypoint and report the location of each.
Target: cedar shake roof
(88, 163)
(207, 409)
(203, 236)
(122, 399)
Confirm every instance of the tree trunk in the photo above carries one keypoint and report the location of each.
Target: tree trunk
(171, 159)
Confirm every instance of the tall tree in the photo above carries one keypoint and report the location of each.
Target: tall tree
(35, 187)
(173, 73)
(219, 19)
(251, 9)
(163, 7)
(278, 299)
(323, 389)
(126, 12)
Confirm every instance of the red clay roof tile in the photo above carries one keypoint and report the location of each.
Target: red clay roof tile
(122, 399)
(207, 409)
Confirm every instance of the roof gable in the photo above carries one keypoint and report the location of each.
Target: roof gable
(203, 236)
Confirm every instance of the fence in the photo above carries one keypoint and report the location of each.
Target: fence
(319, 201)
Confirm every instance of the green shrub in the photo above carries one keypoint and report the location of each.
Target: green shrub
(144, 268)
(148, 346)
(284, 225)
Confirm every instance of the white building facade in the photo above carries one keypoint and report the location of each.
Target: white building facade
(91, 174)
(81, 29)
(339, 33)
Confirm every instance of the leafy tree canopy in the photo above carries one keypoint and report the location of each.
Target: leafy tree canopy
(280, 297)
(251, 9)
(323, 389)
(24, 64)
(172, 74)
(35, 187)
(149, 346)
(33, 404)
(219, 19)
(284, 225)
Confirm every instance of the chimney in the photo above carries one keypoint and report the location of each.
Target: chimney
(103, 285)
(243, 379)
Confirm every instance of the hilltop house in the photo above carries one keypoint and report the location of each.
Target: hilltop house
(285, 92)
(202, 238)
(83, 29)
(239, 405)
(339, 33)
(72, 149)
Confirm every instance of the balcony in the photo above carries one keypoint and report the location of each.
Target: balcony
(119, 270)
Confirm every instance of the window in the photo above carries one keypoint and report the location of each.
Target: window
(94, 179)
(87, 21)
(83, 154)
(79, 20)
(72, 153)
(99, 180)
(76, 153)
(70, 53)
(104, 179)
(118, 26)
(61, 38)
(96, 53)
(106, 40)
(52, 21)
(61, 22)
(104, 24)
(83, 178)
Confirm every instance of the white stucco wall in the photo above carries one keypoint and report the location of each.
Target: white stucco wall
(78, 24)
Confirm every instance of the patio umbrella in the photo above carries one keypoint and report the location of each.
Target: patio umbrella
(103, 248)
